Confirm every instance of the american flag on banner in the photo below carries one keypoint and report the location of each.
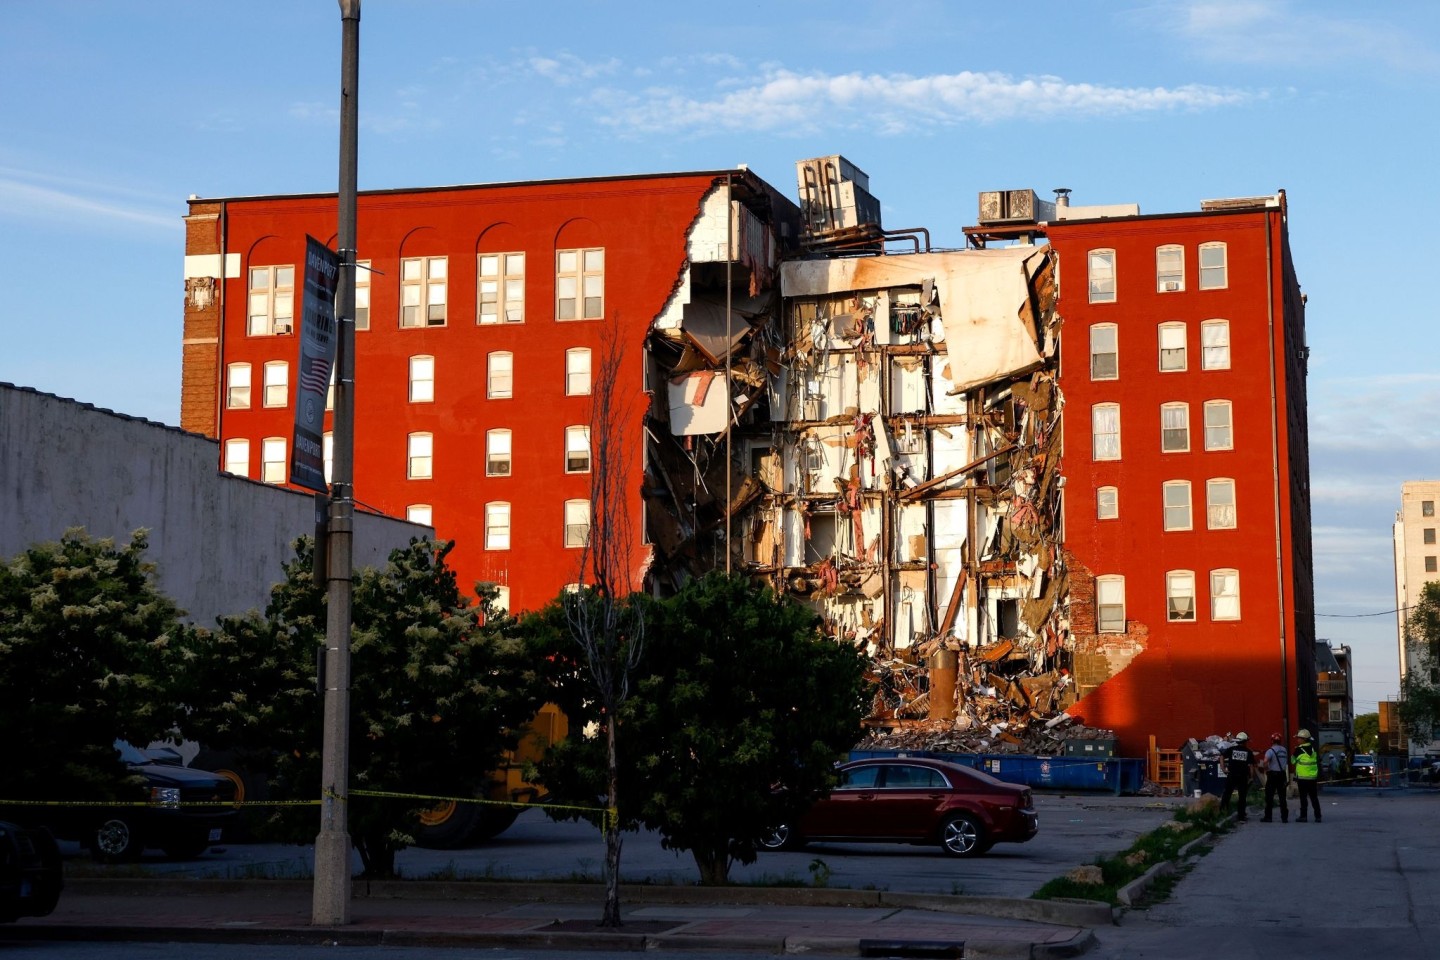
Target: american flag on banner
(315, 377)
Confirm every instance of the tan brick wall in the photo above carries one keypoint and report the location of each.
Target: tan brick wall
(200, 347)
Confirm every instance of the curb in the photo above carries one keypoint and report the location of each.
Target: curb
(1070, 913)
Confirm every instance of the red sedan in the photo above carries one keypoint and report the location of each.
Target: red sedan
(915, 800)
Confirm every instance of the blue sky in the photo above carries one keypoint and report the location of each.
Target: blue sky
(112, 114)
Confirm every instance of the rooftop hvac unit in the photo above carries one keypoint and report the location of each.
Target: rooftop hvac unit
(834, 195)
(1014, 206)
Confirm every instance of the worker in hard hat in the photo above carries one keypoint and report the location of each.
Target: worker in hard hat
(1239, 766)
(1307, 774)
(1277, 774)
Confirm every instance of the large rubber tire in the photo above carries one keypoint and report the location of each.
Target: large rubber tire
(116, 839)
(783, 837)
(961, 836)
(452, 826)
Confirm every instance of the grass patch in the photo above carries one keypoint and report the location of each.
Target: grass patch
(1105, 877)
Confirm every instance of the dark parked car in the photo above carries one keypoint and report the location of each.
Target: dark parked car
(181, 810)
(915, 800)
(30, 872)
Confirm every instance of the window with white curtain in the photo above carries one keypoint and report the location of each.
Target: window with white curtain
(1105, 431)
(1225, 594)
(1102, 276)
(1107, 503)
(1215, 345)
(1110, 604)
(1220, 503)
(1172, 346)
(1180, 595)
(500, 375)
(1174, 427)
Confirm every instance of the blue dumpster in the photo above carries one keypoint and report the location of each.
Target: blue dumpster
(1115, 774)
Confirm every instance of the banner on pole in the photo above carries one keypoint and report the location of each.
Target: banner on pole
(318, 338)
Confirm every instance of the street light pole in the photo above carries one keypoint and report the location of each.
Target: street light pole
(331, 905)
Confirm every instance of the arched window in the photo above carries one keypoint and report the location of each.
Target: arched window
(1214, 267)
(1107, 503)
(577, 372)
(1174, 427)
(1215, 345)
(497, 525)
(1104, 352)
(422, 379)
(1225, 594)
(1105, 431)
(1177, 504)
(1169, 268)
(1172, 346)
(577, 523)
(1180, 595)
(237, 386)
(497, 453)
(500, 375)
(419, 456)
(1110, 604)
(1102, 276)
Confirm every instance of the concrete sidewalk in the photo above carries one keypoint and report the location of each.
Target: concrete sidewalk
(777, 920)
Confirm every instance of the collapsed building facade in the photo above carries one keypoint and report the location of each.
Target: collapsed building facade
(880, 429)
(893, 457)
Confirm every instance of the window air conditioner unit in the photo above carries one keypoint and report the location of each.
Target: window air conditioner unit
(1172, 285)
(282, 328)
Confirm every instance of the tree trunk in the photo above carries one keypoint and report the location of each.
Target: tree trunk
(714, 867)
(611, 917)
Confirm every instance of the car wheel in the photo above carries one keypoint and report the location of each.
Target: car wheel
(116, 839)
(783, 837)
(961, 836)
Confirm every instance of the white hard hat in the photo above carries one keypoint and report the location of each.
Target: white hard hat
(1242, 735)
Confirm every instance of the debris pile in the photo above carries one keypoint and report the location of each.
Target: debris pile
(946, 736)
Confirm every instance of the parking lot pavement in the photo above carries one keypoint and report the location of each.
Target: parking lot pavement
(1074, 829)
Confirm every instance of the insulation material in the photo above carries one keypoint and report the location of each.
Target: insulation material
(982, 294)
(699, 404)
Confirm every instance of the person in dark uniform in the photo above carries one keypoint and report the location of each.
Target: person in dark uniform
(1239, 762)
(1277, 776)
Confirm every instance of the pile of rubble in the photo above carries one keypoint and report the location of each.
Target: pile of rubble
(1038, 738)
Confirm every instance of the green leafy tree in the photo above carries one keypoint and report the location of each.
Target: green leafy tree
(740, 710)
(1367, 733)
(1419, 708)
(86, 644)
(438, 689)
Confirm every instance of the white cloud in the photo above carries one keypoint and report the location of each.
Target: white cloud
(809, 102)
(1282, 32)
(566, 68)
(24, 196)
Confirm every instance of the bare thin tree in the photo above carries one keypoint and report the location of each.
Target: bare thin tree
(603, 620)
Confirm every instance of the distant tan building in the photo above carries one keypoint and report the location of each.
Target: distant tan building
(1417, 562)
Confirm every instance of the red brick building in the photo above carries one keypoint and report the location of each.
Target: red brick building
(1187, 502)
(482, 313)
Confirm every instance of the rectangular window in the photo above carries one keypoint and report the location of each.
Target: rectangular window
(1180, 595)
(237, 457)
(419, 456)
(1427, 508)
(577, 372)
(1172, 347)
(1220, 504)
(362, 294)
(422, 291)
(272, 301)
(501, 292)
(1105, 431)
(500, 376)
(272, 460)
(1217, 425)
(497, 526)
(422, 379)
(327, 455)
(497, 453)
(1214, 274)
(1169, 268)
(577, 523)
(1175, 427)
(420, 513)
(237, 390)
(1215, 345)
(577, 449)
(580, 284)
(1224, 594)
(1104, 352)
(1102, 276)
(1430, 565)
(1177, 505)
(1110, 604)
(1107, 503)
(1429, 534)
(277, 384)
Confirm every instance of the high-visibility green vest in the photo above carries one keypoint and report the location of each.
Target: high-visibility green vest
(1307, 762)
